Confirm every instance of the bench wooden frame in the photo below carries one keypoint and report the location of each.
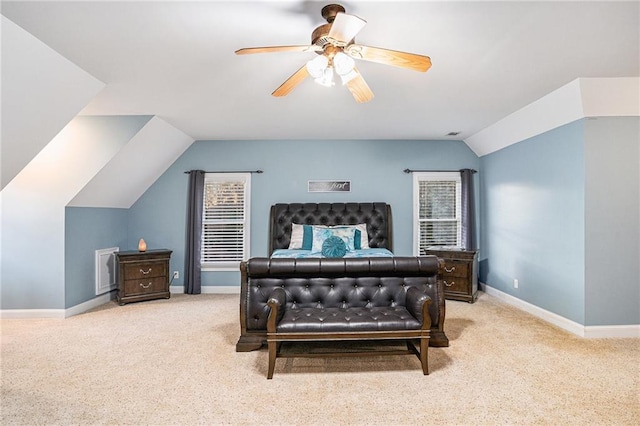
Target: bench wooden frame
(275, 339)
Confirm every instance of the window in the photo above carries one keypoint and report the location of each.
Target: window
(436, 210)
(225, 220)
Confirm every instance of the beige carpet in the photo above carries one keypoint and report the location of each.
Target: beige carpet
(174, 362)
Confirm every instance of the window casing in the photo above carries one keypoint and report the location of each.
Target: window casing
(436, 210)
(225, 221)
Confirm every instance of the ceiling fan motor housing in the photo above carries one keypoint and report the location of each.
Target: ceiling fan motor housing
(319, 35)
(330, 11)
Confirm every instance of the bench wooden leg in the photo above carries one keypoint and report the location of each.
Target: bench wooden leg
(274, 344)
(410, 346)
(273, 351)
(424, 355)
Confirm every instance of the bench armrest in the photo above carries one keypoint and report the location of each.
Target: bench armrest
(418, 305)
(276, 303)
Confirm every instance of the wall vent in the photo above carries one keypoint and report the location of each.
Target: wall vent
(106, 270)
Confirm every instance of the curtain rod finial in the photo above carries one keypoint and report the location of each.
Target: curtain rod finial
(407, 170)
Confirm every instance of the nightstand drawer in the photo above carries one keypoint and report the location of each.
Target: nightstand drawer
(145, 285)
(454, 268)
(455, 284)
(144, 270)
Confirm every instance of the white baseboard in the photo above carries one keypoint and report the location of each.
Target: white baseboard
(209, 289)
(55, 313)
(611, 331)
(592, 332)
(90, 304)
(31, 313)
(97, 301)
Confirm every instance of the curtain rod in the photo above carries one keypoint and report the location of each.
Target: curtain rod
(439, 171)
(224, 171)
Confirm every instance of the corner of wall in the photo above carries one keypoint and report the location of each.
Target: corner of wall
(583, 97)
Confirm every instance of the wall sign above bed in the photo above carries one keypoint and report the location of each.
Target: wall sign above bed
(329, 186)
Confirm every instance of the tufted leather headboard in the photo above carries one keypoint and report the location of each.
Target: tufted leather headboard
(377, 216)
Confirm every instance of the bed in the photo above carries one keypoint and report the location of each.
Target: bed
(375, 259)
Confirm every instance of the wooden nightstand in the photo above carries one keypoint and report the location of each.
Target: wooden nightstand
(460, 276)
(143, 275)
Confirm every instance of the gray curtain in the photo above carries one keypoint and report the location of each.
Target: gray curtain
(468, 210)
(192, 279)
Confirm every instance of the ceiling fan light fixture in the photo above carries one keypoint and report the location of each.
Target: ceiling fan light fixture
(344, 66)
(317, 66)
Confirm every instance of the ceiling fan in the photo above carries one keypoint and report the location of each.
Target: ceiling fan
(335, 44)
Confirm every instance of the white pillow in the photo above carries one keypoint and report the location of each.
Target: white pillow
(364, 237)
(297, 233)
(301, 236)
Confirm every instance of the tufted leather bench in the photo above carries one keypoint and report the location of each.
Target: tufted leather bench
(347, 319)
(324, 299)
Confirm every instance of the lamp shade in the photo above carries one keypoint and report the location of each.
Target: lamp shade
(317, 66)
(343, 63)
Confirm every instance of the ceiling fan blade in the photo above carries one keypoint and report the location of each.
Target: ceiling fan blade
(389, 57)
(359, 88)
(345, 27)
(273, 49)
(291, 83)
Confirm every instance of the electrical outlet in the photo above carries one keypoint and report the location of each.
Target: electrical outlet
(176, 274)
(515, 283)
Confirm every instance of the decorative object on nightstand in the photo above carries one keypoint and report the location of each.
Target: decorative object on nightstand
(460, 276)
(143, 275)
(142, 246)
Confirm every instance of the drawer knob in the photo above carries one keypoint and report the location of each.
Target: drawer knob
(145, 272)
(145, 286)
(447, 284)
(453, 268)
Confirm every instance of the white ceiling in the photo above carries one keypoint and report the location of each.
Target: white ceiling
(176, 60)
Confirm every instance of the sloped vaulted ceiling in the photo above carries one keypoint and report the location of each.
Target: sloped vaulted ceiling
(490, 59)
(41, 92)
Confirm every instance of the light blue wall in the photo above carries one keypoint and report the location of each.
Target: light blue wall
(532, 220)
(375, 169)
(612, 157)
(552, 212)
(88, 230)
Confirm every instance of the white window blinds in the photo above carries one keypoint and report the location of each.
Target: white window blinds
(437, 202)
(225, 221)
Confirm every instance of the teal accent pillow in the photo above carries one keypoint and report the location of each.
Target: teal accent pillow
(334, 247)
(356, 239)
(307, 237)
